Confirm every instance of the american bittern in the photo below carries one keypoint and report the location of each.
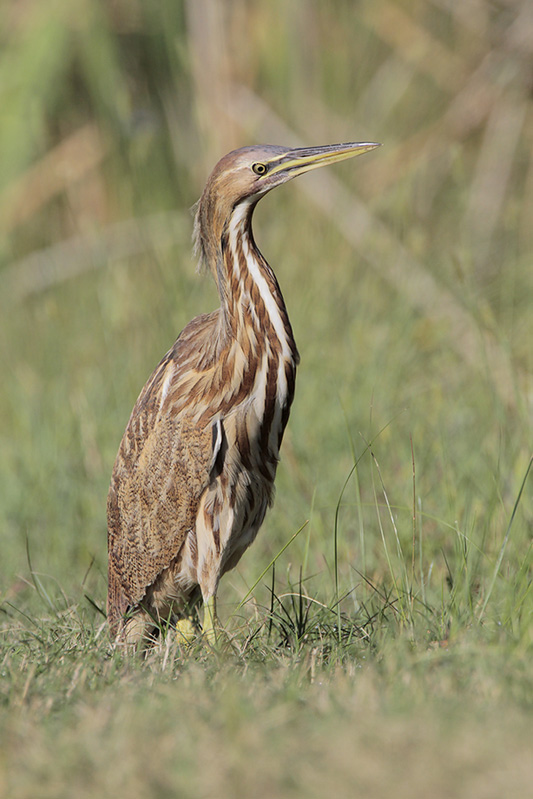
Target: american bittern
(195, 471)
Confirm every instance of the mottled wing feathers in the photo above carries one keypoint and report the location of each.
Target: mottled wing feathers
(162, 469)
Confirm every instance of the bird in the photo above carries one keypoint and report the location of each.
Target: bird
(194, 474)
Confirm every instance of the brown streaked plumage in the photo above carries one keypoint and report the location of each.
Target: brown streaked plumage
(195, 470)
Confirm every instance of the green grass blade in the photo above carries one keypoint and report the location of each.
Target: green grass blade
(505, 542)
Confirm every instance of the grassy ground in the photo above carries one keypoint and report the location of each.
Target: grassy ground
(387, 652)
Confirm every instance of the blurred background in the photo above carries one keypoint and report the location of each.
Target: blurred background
(407, 273)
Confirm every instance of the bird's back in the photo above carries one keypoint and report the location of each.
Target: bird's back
(160, 473)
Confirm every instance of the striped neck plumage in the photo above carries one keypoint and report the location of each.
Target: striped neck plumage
(251, 299)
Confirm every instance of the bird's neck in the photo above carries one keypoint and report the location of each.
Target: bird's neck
(252, 305)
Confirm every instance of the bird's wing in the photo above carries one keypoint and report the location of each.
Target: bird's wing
(162, 469)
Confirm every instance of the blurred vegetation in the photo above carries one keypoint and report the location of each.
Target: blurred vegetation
(408, 277)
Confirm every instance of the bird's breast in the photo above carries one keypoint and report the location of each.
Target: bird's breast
(259, 422)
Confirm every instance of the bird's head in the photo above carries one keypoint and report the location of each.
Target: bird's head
(243, 176)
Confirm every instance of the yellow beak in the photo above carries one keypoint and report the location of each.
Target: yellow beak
(303, 159)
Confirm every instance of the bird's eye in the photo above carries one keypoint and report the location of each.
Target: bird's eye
(259, 169)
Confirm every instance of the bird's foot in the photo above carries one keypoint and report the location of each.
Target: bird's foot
(185, 632)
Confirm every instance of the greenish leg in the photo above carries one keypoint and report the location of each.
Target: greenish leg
(210, 621)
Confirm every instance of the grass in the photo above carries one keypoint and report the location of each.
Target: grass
(290, 709)
(380, 630)
(287, 731)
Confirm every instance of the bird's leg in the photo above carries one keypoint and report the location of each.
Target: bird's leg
(210, 621)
